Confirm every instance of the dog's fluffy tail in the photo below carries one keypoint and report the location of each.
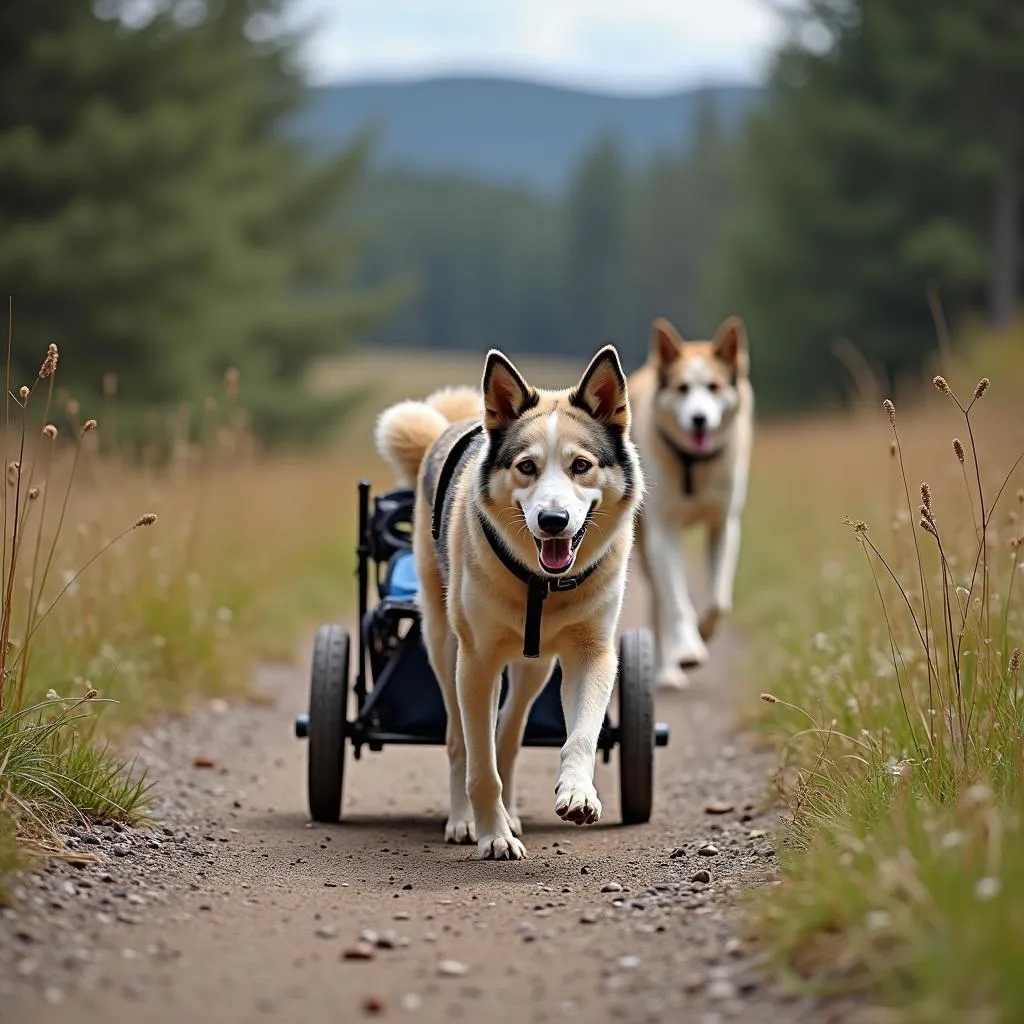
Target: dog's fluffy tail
(406, 431)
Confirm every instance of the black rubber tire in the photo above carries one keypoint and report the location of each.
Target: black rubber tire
(328, 697)
(636, 726)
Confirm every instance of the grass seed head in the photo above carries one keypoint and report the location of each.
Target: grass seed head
(147, 520)
(981, 387)
(50, 431)
(927, 526)
(958, 450)
(88, 425)
(33, 493)
(13, 473)
(891, 410)
(942, 385)
(769, 698)
(926, 496)
(24, 392)
(49, 367)
(1014, 666)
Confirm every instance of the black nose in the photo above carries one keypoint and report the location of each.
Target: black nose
(700, 421)
(553, 522)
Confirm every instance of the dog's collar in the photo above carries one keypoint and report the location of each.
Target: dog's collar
(689, 459)
(537, 587)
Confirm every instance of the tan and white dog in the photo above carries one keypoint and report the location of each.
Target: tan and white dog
(693, 409)
(523, 532)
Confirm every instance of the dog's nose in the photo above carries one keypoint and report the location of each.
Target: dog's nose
(554, 521)
(700, 421)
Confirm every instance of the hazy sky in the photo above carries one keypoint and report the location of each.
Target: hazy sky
(636, 45)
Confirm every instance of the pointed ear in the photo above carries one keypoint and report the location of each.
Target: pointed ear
(666, 344)
(506, 395)
(731, 345)
(601, 391)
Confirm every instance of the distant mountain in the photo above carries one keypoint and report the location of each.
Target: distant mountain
(508, 131)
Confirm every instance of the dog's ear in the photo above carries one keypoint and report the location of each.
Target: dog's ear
(730, 346)
(666, 344)
(601, 391)
(506, 394)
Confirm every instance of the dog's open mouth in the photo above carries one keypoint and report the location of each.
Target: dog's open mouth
(556, 554)
(701, 438)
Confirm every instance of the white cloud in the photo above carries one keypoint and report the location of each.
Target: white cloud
(615, 44)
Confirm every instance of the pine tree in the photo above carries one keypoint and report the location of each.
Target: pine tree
(870, 180)
(156, 220)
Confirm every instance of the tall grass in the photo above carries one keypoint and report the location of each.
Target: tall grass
(899, 707)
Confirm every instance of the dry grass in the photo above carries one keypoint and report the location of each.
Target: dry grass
(898, 705)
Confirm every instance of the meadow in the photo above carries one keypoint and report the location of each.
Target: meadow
(882, 617)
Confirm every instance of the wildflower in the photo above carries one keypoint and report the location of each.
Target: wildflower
(958, 449)
(981, 387)
(891, 410)
(49, 367)
(941, 385)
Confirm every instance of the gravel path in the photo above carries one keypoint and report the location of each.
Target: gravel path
(235, 908)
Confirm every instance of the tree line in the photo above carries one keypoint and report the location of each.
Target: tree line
(158, 220)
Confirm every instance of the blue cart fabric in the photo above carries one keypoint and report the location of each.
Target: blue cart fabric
(400, 580)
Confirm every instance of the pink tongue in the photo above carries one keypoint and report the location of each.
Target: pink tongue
(556, 554)
(700, 439)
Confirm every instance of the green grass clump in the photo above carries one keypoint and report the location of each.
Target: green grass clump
(899, 708)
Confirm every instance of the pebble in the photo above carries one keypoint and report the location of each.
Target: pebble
(373, 1005)
(718, 807)
(702, 876)
(326, 931)
(452, 969)
(628, 963)
(721, 989)
(360, 951)
(589, 917)
(708, 850)
(611, 887)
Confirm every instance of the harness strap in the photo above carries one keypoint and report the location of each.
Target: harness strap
(537, 587)
(445, 477)
(689, 459)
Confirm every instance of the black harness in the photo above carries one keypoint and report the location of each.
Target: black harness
(689, 459)
(537, 587)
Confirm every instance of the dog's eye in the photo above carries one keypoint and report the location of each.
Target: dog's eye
(684, 389)
(581, 466)
(527, 467)
(713, 387)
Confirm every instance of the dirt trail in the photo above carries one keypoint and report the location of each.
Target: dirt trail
(245, 908)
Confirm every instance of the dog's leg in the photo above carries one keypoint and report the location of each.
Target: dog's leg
(441, 650)
(587, 683)
(724, 551)
(678, 641)
(525, 681)
(478, 678)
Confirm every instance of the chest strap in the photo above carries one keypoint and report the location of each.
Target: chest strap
(689, 459)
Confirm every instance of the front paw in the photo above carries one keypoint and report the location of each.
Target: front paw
(459, 830)
(500, 847)
(709, 621)
(692, 651)
(671, 677)
(577, 802)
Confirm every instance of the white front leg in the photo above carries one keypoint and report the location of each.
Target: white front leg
(724, 552)
(588, 678)
(677, 635)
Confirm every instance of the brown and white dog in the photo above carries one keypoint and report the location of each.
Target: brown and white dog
(693, 423)
(522, 536)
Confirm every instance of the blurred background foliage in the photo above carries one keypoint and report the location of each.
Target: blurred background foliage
(176, 200)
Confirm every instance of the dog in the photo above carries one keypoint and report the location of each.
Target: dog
(693, 408)
(526, 505)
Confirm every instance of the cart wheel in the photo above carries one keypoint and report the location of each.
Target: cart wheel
(636, 726)
(328, 695)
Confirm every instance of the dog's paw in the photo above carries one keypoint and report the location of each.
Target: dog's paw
(672, 677)
(459, 830)
(577, 802)
(708, 621)
(692, 652)
(500, 848)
